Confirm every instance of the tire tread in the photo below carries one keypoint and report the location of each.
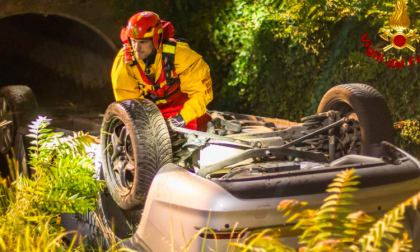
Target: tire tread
(370, 107)
(153, 149)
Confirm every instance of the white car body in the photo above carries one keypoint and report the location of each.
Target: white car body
(180, 203)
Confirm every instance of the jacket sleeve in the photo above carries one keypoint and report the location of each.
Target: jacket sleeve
(124, 84)
(195, 81)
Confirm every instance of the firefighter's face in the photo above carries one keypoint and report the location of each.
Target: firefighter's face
(142, 47)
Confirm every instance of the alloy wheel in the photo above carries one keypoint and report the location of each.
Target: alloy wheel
(120, 156)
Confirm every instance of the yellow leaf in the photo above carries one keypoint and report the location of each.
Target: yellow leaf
(334, 190)
(336, 184)
(331, 197)
(329, 203)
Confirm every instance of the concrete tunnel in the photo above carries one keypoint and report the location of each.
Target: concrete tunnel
(64, 61)
(67, 63)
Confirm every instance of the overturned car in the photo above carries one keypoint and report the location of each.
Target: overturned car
(164, 183)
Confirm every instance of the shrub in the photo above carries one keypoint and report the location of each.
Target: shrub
(408, 136)
(334, 227)
(64, 182)
(287, 54)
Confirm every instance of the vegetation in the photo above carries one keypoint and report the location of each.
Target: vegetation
(410, 130)
(64, 182)
(280, 47)
(29, 210)
(4, 123)
(334, 227)
(264, 53)
(409, 136)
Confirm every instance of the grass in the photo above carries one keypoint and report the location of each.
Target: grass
(32, 232)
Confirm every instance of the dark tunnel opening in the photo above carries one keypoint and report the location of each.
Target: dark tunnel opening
(64, 62)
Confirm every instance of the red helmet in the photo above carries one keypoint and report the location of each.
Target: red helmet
(145, 24)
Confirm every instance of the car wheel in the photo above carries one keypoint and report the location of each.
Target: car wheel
(135, 144)
(19, 106)
(368, 107)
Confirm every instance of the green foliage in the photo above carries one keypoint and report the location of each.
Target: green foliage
(267, 239)
(238, 25)
(385, 232)
(333, 227)
(287, 54)
(408, 133)
(330, 221)
(411, 131)
(64, 182)
(333, 224)
(277, 58)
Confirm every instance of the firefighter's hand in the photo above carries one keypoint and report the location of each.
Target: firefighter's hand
(177, 121)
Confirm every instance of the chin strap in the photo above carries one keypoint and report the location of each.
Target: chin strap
(128, 58)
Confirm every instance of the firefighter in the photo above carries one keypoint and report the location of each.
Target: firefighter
(155, 66)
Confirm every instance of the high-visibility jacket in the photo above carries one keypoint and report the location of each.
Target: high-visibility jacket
(189, 93)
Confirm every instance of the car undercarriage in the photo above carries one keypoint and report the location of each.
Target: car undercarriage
(163, 179)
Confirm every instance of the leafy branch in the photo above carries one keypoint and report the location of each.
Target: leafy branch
(64, 181)
(388, 228)
(333, 227)
(4, 123)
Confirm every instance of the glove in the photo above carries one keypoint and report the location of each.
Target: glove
(177, 121)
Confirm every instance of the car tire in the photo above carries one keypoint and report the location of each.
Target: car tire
(19, 106)
(135, 144)
(21, 102)
(371, 110)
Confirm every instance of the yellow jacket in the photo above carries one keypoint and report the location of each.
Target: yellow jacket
(193, 72)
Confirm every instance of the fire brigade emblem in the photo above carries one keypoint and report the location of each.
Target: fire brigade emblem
(134, 32)
(399, 33)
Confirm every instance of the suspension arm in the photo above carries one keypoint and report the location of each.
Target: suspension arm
(275, 151)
